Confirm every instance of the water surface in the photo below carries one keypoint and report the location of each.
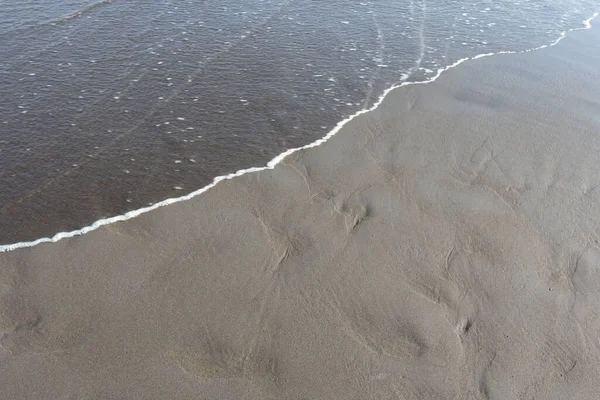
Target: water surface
(110, 106)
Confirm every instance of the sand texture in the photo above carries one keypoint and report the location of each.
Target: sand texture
(443, 246)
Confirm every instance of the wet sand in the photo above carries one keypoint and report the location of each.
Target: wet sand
(442, 246)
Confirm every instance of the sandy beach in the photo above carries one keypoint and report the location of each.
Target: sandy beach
(442, 246)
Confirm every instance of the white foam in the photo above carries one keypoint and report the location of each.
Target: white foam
(587, 24)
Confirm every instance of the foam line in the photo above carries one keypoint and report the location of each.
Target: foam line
(78, 13)
(587, 24)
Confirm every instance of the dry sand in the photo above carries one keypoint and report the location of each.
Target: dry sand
(443, 246)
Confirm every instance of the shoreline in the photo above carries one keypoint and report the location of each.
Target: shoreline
(587, 24)
(444, 245)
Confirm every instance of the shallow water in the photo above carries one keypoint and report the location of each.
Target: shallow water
(108, 106)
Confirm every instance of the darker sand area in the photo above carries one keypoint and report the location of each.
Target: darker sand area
(443, 246)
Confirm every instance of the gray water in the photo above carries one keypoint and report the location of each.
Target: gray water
(110, 106)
